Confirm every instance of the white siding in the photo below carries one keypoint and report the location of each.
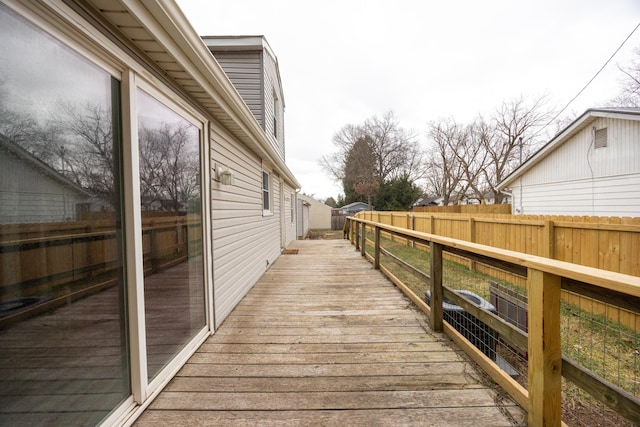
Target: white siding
(34, 196)
(613, 196)
(289, 214)
(577, 158)
(578, 179)
(245, 242)
(303, 218)
(319, 214)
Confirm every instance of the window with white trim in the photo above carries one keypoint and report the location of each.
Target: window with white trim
(266, 192)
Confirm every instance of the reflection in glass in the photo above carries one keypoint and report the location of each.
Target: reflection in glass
(170, 197)
(63, 353)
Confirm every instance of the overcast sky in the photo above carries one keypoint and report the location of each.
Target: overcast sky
(342, 62)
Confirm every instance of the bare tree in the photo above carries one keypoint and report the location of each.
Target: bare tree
(396, 151)
(87, 153)
(470, 160)
(168, 167)
(360, 170)
(445, 173)
(629, 95)
(514, 125)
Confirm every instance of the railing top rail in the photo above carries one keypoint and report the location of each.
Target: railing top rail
(610, 280)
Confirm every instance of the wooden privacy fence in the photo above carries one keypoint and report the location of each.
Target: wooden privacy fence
(545, 279)
(611, 244)
(67, 261)
(466, 209)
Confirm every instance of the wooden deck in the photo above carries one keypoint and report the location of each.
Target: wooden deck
(324, 339)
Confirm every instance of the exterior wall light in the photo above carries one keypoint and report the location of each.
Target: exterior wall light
(226, 177)
(223, 175)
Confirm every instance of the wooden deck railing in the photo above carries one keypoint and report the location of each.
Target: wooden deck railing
(545, 278)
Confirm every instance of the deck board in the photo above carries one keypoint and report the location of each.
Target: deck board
(324, 339)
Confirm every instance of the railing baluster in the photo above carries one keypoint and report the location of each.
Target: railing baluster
(363, 236)
(436, 286)
(376, 261)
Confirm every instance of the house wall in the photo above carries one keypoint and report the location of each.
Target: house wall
(578, 179)
(272, 88)
(244, 69)
(245, 241)
(34, 196)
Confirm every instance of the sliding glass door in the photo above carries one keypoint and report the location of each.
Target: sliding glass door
(64, 358)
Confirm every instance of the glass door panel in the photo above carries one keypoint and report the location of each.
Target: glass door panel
(171, 205)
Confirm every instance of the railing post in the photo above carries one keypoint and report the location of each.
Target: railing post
(357, 235)
(436, 286)
(376, 261)
(545, 353)
(363, 236)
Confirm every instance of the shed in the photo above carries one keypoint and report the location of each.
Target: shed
(319, 214)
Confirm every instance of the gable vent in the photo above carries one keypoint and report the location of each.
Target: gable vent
(601, 138)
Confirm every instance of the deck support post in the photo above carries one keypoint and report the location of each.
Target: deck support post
(436, 286)
(545, 354)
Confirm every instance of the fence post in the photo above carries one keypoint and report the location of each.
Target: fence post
(545, 353)
(436, 286)
(376, 262)
(363, 236)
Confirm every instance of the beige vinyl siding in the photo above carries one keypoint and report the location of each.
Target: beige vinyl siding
(243, 239)
(244, 69)
(272, 87)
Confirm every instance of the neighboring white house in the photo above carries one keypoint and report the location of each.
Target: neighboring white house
(315, 215)
(592, 167)
(32, 191)
(203, 203)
